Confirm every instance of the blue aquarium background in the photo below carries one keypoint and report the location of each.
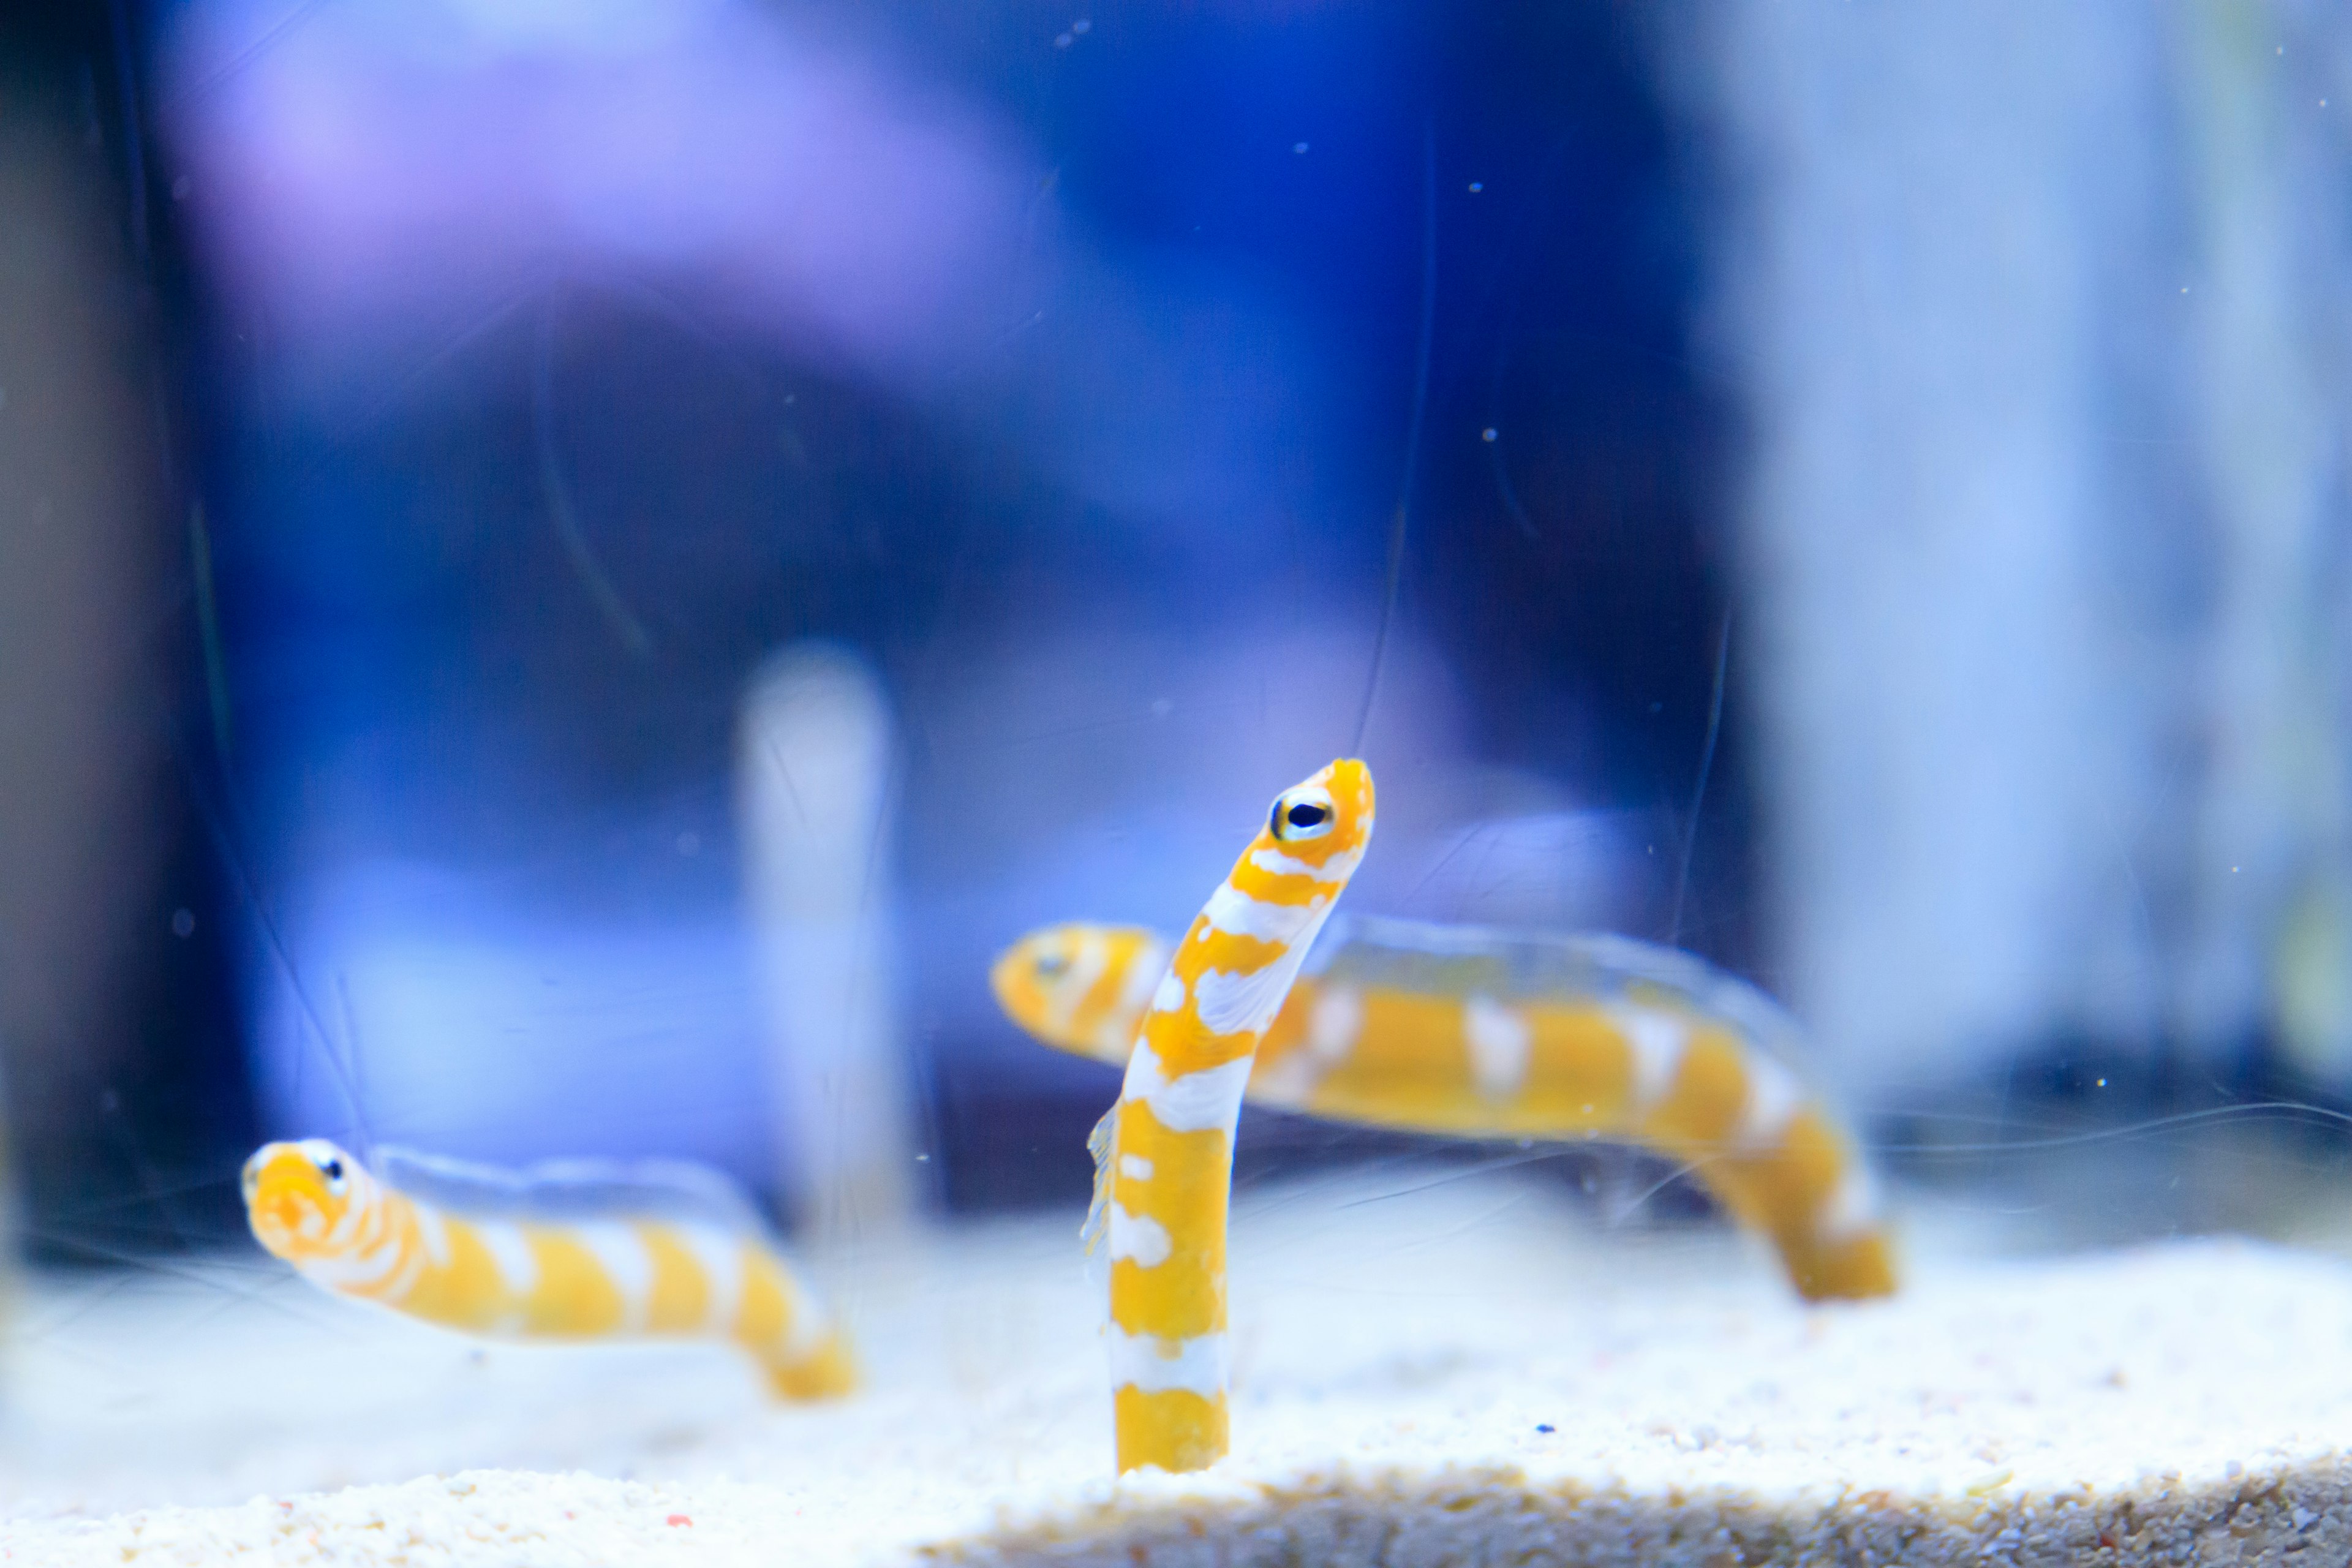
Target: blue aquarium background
(573, 572)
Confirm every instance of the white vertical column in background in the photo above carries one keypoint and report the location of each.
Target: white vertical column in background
(2040, 323)
(1944, 275)
(814, 782)
(2269, 162)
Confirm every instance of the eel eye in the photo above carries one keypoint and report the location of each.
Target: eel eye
(332, 1169)
(1302, 814)
(1050, 965)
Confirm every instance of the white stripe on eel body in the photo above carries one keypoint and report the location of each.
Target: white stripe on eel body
(1144, 1362)
(1188, 1102)
(805, 1324)
(345, 1233)
(355, 1270)
(1333, 1026)
(1236, 913)
(362, 1224)
(627, 1265)
(1086, 967)
(1774, 1094)
(1139, 1238)
(1135, 1167)
(1499, 1042)
(1656, 1040)
(511, 1254)
(1143, 978)
(1851, 1209)
(1333, 1023)
(1232, 1002)
(1339, 868)
(411, 1271)
(720, 1258)
(432, 1232)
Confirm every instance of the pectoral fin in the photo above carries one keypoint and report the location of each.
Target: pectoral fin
(1099, 1142)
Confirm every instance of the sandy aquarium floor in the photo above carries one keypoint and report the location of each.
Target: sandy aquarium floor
(1464, 1373)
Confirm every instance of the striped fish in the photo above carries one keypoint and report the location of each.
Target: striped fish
(1165, 1155)
(576, 1250)
(1486, 1034)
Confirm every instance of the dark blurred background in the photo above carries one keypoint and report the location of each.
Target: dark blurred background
(569, 573)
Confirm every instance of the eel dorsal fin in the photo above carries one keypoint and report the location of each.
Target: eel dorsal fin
(555, 1190)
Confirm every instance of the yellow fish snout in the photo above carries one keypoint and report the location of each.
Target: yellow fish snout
(283, 1221)
(287, 1197)
(1010, 978)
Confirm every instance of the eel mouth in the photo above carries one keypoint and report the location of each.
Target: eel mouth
(282, 1221)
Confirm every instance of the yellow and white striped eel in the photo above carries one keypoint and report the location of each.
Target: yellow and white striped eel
(1486, 1034)
(658, 1258)
(1165, 1155)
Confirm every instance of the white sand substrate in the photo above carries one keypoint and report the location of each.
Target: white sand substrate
(1461, 1374)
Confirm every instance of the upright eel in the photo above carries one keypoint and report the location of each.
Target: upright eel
(1164, 1154)
(1478, 1033)
(582, 1250)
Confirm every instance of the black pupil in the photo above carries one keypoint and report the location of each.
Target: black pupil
(1306, 816)
(334, 1169)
